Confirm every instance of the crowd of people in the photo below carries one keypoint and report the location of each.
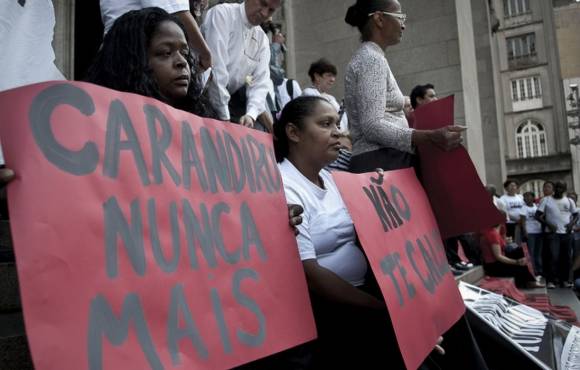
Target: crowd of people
(228, 68)
(547, 227)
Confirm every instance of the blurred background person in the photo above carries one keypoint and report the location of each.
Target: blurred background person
(323, 76)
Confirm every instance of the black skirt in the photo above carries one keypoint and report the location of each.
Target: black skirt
(386, 158)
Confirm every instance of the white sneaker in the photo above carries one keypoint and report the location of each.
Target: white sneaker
(539, 278)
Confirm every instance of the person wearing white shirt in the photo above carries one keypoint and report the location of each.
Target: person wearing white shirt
(241, 53)
(113, 9)
(323, 76)
(559, 213)
(513, 203)
(26, 32)
(532, 231)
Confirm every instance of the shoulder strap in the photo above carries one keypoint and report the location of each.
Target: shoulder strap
(290, 88)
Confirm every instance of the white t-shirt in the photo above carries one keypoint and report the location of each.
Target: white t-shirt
(533, 226)
(513, 206)
(558, 212)
(113, 9)
(26, 54)
(327, 232)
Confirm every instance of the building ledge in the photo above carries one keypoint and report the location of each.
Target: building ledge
(527, 166)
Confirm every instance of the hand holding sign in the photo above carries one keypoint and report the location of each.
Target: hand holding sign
(6, 175)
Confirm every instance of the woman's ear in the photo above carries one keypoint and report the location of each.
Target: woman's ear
(292, 132)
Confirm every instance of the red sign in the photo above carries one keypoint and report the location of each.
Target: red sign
(400, 237)
(146, 237)
(459, 200)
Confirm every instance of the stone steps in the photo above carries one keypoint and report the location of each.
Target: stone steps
(565, 297)
(472, 276)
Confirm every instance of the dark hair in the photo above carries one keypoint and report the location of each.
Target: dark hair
(357, 15)
(508, 182)
(419, 91)
(548, 182)
(561, 184)
(122, 63)
(530, 193)
(296, 111)
(320, 67)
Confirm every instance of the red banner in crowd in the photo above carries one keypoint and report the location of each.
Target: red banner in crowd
(146, 237)
(400, 237)
(459, 200)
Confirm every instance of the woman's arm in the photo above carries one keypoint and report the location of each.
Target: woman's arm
(327, 284)
(496, 250)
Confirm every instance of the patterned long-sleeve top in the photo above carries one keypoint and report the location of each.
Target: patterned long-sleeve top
(374, 103)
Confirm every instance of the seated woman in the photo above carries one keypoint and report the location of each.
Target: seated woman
(497, 263)
(146, 52)
(354, 328)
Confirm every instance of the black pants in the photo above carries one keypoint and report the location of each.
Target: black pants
(560, 255)
(521, 274)
(386, 158)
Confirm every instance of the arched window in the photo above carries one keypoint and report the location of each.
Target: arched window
(535, 186)
(531, 140)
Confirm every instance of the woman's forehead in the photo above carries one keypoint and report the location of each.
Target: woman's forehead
(169, 29)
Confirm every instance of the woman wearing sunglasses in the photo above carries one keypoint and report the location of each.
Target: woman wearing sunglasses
(374, 103)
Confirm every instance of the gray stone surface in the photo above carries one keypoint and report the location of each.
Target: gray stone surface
(565, 297)
(472, 276)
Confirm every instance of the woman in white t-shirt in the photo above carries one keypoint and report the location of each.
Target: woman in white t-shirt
(354, 328)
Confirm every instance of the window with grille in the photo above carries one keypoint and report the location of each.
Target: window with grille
(521, 46)
(514, 8)
(535, 186)
(531, 140)
(527, 88)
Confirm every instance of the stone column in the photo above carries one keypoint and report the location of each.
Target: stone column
(63, 42)
(290, 40)
(470, 85)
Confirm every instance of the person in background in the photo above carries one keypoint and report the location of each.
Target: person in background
(113, 9)
(323, 76)
(374, 103)
(559, 214)
(497, 263)
(241, 51)
(532, 232)
(547, 189)
(197, 7)
(576, 229)
(513, 203)
(146, 52)
(422, 94)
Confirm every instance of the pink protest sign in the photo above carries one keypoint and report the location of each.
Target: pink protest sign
(400, 237)
(147, 237)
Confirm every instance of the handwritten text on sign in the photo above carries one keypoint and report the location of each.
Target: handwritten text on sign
(399, 234)
(147, 237)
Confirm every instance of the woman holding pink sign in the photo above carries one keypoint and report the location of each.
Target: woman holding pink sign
(354, 328)
(374, 103)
